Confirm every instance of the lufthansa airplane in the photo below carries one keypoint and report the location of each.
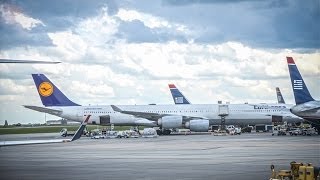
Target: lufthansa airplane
(306, 107)
(196, 117)
(56, 103)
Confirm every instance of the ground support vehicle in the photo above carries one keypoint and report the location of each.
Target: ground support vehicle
(297, 171)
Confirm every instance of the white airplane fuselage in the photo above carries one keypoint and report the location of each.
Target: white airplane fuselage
(307, 110)
(238, 114)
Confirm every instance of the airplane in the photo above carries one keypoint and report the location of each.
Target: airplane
(177, 96)
(306, 107)
(56, 103)
(279, 96)
(196, 117)
(28, 61)
(199, 117)
(76, 136)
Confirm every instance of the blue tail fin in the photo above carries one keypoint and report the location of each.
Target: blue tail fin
(300, 90)
(279, 96)
(50, 95)
(177, 96)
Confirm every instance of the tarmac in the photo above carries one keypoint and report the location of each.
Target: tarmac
(189, 157)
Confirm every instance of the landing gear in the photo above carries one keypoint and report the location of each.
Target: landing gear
(163, 131)
(318, 129)
(166, 132)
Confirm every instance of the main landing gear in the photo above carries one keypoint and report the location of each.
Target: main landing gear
(163, 131)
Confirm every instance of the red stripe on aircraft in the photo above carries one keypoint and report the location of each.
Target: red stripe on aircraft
(87, 119)
(290, 60)
(172, 86)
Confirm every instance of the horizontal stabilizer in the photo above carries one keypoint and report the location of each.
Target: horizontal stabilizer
(44, 110)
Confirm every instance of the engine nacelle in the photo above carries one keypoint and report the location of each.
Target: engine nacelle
(198, 125)
(168, 122)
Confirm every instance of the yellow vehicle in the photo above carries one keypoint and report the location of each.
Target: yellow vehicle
(298, 171)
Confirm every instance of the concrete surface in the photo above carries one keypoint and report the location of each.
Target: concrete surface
(190, 157)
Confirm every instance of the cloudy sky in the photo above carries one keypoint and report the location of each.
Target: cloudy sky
(126, 52)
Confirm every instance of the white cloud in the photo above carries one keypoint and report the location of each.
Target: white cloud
(71, 45)
(150, 21)
(9, 86)
(98, 30)
(98, 68)
(11, 15)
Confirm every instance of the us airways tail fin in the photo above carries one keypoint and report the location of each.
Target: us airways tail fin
(279, 96)
(300, 90)
(50, 95)
(177, 96)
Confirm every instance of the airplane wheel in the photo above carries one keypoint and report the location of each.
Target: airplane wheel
(159, 132)
(166, 132)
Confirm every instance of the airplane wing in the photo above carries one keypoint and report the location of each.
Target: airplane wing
(146, 115)
(44, 109)
(28, 61)
(75, 137)
(13, 143)
(150, 115)
(145, 122)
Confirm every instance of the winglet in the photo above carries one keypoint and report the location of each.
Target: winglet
(81, 128)
(115, 108)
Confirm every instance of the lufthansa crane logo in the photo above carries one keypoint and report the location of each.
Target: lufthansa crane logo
(45, 89)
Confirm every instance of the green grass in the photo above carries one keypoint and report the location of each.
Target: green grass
(53, 129)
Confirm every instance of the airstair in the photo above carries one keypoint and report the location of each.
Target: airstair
(223, 112)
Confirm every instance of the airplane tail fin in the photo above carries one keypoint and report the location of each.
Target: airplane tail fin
(300, 90)
(177, 96)
(279, 96)
(50, 95)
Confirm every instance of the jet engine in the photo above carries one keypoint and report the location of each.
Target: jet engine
(168, 122)
(198, 125)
